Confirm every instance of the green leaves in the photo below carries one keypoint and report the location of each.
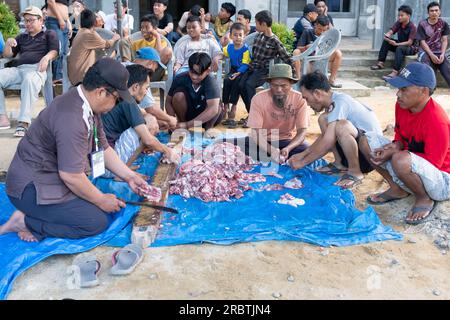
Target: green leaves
(286, 35)
(8, 24)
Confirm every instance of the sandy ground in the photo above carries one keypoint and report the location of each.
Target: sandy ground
(416, 268)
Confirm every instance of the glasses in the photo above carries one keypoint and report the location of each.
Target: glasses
(113, 93)
(29, 20)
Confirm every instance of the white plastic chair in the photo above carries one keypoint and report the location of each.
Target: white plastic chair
(320, 52)
(47, 89)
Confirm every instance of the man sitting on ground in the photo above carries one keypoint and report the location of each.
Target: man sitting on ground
(343, 123)
(126, 127)
(307, 39)
(195, 95)
(36, 49)
(418, 160)
(279, 118)
(305, 22)
(404, 46)
(433, 36)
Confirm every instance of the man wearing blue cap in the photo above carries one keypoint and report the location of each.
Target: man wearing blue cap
(417, 161)
(149, 58)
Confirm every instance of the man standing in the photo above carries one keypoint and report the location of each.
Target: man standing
(432, 34)
(418, 160)
(36, 49)
(57, 19)
(47, 180)
(279, 118)
(343, 124)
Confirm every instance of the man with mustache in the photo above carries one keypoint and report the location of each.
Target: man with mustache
(279, 118)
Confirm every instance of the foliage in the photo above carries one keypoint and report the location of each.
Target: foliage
(8, 24)
(286, 35)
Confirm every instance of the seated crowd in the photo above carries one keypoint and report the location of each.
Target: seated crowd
(108, 112)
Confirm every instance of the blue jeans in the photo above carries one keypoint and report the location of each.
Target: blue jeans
(63, 37)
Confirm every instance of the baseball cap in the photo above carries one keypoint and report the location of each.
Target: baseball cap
(414, 74)
(34, 11)
(116, 75)
(310, 7)
(148, 53)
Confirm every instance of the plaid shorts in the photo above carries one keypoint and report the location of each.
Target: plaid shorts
(435, 181)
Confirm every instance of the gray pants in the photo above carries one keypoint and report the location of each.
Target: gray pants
(31, 82)
(435, 181)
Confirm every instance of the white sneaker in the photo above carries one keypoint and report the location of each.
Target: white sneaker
(4, 122)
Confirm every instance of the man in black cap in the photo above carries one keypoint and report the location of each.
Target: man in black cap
(47, 180)
(305, 22)
(417, 161)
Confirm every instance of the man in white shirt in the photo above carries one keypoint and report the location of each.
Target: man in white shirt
(127, 20)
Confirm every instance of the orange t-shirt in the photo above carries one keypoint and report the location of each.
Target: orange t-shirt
(264, 114)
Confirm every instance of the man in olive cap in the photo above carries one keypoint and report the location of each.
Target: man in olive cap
(279, 118)
(47, 180)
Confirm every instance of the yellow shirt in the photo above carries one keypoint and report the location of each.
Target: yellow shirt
(222, 29)
(141, 43)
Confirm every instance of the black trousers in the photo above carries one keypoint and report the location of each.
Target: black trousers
(400, 53)
(230, 93)
(250, 148)
(73, 219)
(444, 67)
(251, 80)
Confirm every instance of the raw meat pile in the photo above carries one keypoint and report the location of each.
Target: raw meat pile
(151, 193)
(219, 177)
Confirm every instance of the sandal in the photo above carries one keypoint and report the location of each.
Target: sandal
(232, 124)
(332, 169)
(21, 130)
(354, 181)
(335, 85)
(377, 67)
(86, 269)
(126, 260)
(428, 209)
(386, 197)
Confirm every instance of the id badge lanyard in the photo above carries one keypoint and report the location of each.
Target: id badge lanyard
(97, 157)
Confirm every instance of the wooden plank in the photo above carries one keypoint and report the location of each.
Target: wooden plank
(150, 217)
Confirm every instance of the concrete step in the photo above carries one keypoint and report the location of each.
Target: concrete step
(371, 83)
(363, 62)
(353, 88)
(352, 72)
(359, 53)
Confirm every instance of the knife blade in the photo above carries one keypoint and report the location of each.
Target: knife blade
(155, 206)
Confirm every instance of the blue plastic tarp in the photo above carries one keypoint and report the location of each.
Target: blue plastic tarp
(329, 218)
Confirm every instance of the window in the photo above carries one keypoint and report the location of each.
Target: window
(296, 5)
(338, 5)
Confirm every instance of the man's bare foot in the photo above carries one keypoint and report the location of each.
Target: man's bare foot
(16, 223)
(27, 236)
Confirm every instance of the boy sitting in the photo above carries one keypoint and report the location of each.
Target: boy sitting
(195, 43)
(222, 22)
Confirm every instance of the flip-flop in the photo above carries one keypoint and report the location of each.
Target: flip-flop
(376, 67)
(430, 210)
(387, 198)
(87, 268)
(356, 181)
(232, 124)
(126, 260)
(333, 169)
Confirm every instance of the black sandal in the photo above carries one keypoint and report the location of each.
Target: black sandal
(377, 67)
